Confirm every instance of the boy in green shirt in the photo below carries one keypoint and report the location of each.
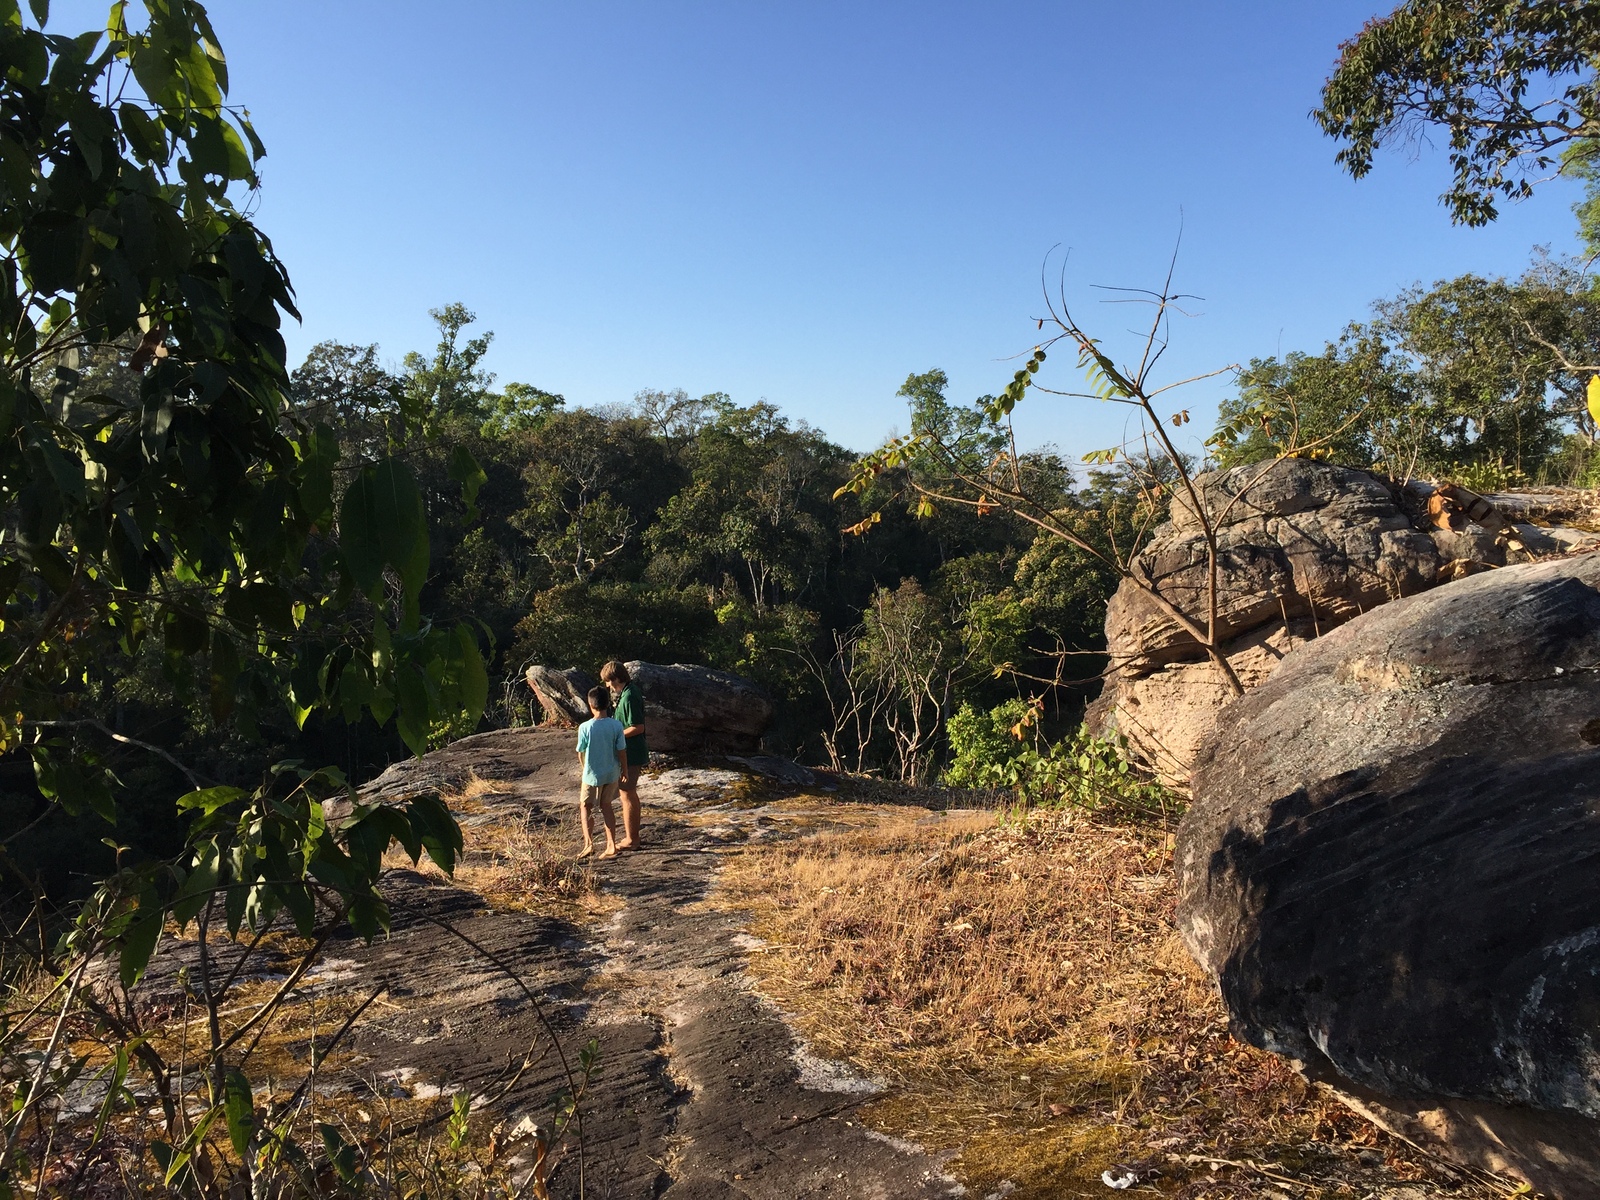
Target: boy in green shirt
(630, 711)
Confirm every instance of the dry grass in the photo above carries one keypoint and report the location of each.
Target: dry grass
(513, 860)
(1023, 992)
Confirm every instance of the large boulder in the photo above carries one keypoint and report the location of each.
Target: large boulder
(687, 709)
(1392, 867)
(693, 709)
(1302, 546)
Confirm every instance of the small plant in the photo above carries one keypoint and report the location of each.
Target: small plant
(996, 750)
(1494, 476)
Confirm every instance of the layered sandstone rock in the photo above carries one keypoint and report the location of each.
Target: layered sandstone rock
(1303, 548)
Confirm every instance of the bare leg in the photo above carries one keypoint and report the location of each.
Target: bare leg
(609, 815)
(629, 789)
(584, 821)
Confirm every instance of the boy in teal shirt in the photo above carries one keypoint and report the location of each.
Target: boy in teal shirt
(602, 754)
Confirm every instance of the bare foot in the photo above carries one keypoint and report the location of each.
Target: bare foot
(586, 851)
(627, 845)
(611, 852)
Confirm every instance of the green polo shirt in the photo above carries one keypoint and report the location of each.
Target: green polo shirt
(630, 711)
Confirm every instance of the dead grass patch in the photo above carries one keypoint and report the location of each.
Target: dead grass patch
(1023, 991)
(515, 860)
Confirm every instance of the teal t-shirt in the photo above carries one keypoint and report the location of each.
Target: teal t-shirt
(630, 712)
(600, 740)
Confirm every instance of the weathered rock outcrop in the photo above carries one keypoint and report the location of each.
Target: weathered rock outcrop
(1391, 863)
(563, 695)
(1303, 548)
(692, 709)
(688, 709)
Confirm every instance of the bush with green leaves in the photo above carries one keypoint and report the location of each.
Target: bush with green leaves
(1002, 750)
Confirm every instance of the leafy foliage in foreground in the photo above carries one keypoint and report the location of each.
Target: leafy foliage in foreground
(164, 506)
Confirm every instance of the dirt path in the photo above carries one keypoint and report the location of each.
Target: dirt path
(703, 1091)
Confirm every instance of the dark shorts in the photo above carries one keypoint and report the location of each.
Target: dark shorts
(638, 752)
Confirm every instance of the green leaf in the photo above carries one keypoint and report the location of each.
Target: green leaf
(224, 675)
(139, 942)
(437, 830)
(116, 1075)
(415, 712)
(143, 134)
(320, 453)
(208, 800)
(382, 523)
(464, 469)
(472, 677)
(340, 1153)
(238, 1107)
(198, 885)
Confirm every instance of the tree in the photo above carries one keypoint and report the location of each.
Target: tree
(969, 434)
(347, 389)
(451, 384)
(1472, 374)
(576, 459)
(750, 509)
(191, 507)
(1511, 83)
(520, 407)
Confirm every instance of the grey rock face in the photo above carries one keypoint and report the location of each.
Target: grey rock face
(693, 709)
(688, 709)
(1392, 865)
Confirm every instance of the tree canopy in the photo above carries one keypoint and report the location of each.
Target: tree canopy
(1511, 84)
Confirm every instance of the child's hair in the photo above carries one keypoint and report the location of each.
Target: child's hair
(600, 701)
(614, 671)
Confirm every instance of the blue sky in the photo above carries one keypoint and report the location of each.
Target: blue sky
(807, 201)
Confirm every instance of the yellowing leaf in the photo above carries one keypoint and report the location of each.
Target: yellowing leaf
(861, 526)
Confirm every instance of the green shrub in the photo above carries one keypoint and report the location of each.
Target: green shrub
(997, 750)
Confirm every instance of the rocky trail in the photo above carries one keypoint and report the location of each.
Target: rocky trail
(702, 1090)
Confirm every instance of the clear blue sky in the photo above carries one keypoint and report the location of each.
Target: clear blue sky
(807, 201)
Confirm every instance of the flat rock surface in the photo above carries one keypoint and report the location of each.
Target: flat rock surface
(702, 1090)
